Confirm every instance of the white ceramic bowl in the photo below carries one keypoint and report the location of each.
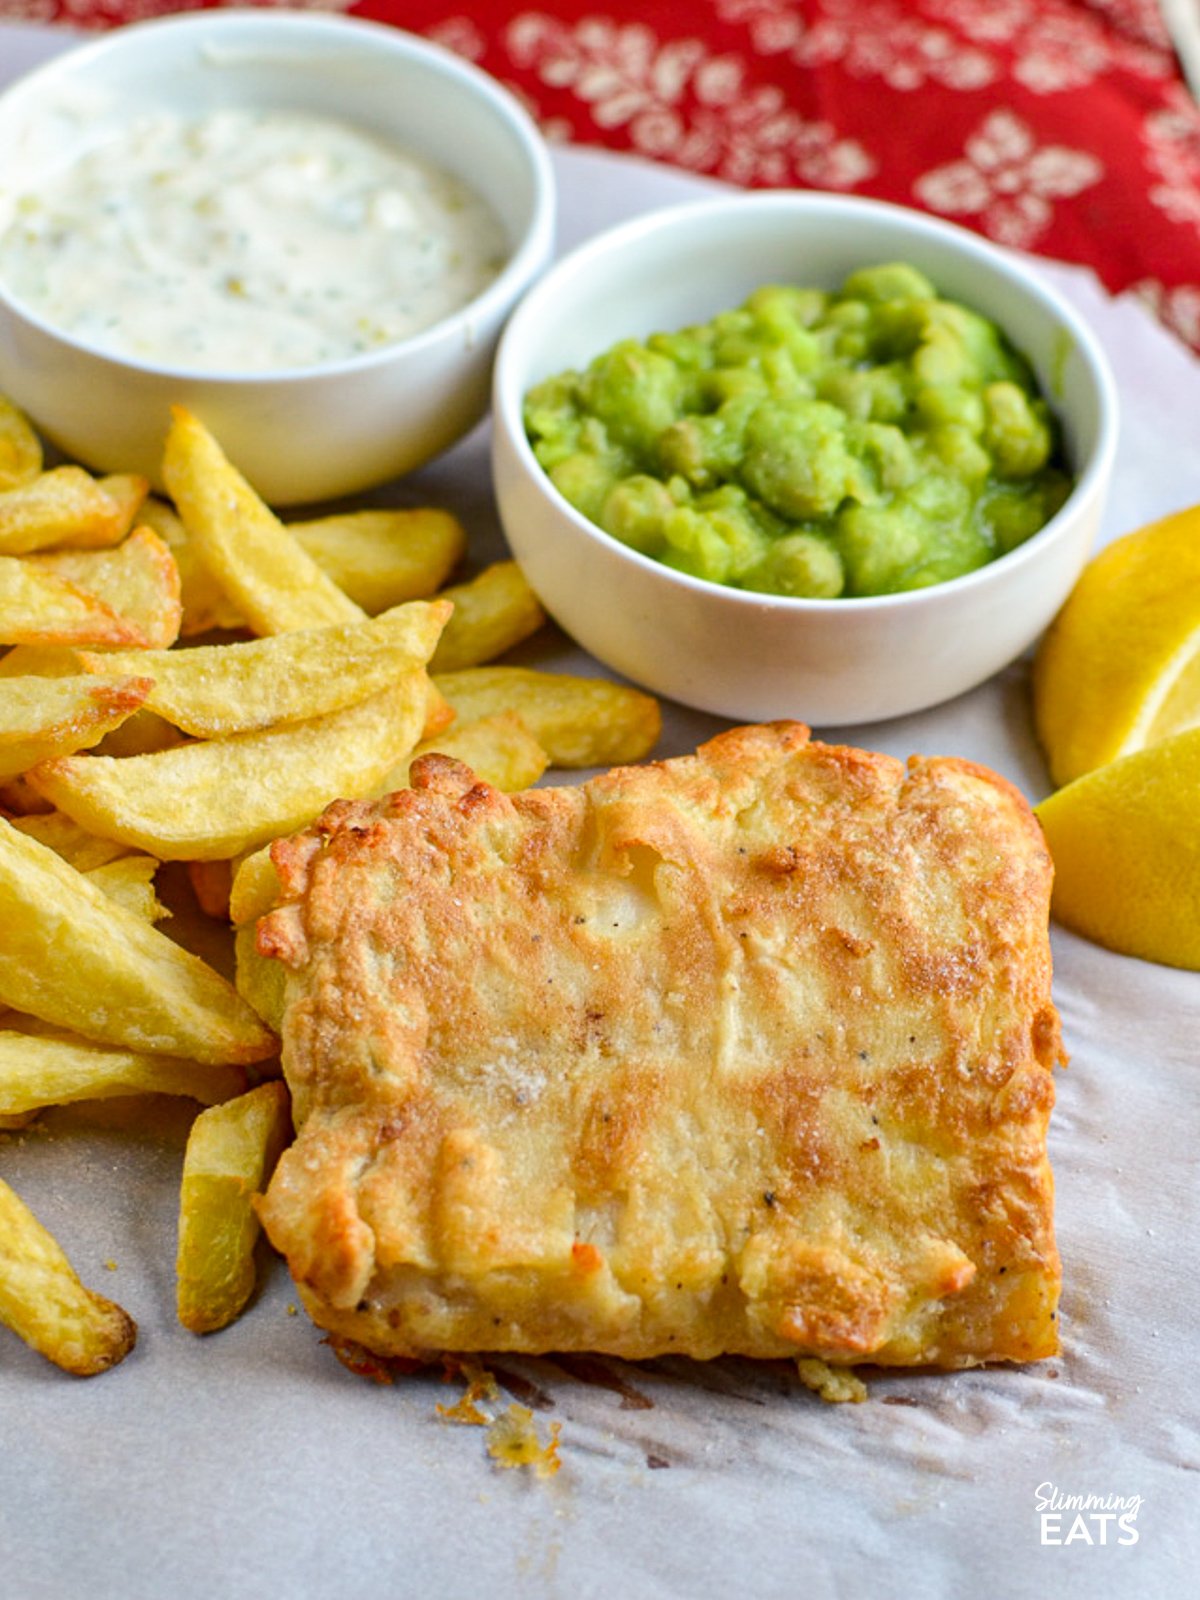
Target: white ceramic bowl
(302, 434)
(757, 656)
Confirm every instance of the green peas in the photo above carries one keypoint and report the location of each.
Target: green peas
(585, 480)
(1015, 431)
(803, 565)
(796, 458)
(879, 545)
(717, 540)
(706, 449)
(634, 510)
(810, 442)
(635, 392)
(895, 281)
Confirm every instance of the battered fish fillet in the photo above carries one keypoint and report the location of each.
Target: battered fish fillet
(748, 1051)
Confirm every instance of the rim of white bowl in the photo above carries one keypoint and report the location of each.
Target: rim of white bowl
(507, 395)
(522, 265)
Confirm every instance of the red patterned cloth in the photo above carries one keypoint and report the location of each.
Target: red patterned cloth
(1061, 126)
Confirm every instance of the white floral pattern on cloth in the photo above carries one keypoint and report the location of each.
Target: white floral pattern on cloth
(681, 103)
(1054, 45)
(882, 39)
(1007, 180)
(1172, 138)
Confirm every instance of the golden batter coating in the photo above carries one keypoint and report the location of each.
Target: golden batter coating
(744, 1052)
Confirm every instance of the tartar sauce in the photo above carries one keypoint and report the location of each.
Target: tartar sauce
(248, 240)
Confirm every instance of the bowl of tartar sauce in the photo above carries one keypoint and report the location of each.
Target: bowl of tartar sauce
(308, 229)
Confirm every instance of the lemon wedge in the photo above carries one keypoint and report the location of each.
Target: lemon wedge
(1119, 667)
(1125, 840)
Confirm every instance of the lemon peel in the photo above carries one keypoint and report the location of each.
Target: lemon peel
(1119, 667)
(1125, 839)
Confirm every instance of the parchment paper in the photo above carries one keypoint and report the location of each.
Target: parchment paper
(251, 1463)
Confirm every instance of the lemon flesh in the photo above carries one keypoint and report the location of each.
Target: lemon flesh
(1119, 667)
(1125, 840)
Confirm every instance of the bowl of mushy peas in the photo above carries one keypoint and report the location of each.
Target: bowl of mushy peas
(802, 455)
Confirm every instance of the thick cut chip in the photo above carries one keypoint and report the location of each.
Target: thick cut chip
(206, 606)
(75, 958)
(499, 749)
(44, 717)
(255, 886)
(44, 1303)
(129, 880)
(579, 722)
(20, 448)
(138, 580)
(216, 798)
(382, 558)
(67, 506)
(262, 983)
(747, 1052)
(439, 713)
(39, 607)
(492, 613)
(39, 1070)
(213, 690)
(128, 492)
(379, 558)
(85, 851)
(263, 569)
(231, 1152)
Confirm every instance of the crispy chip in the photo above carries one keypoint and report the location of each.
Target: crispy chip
(85, 851)
(492, 613)
(439, 713)
(231, 1152)
(215, 798)
(382, 558)
(499, 749)
(138, 580)
(39, 607)
(20, 448)
(44, 1303)
(45, 717)
(75, 958)
(255, 887)
(206, 606)
(214, 690)
(579, 722)
(128, 491)
(67, 506)
(263, 569)
(379, 558)
(129, 880)
(261, 982)
(55, 1069)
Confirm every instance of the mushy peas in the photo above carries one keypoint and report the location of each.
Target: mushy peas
(861, 442)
